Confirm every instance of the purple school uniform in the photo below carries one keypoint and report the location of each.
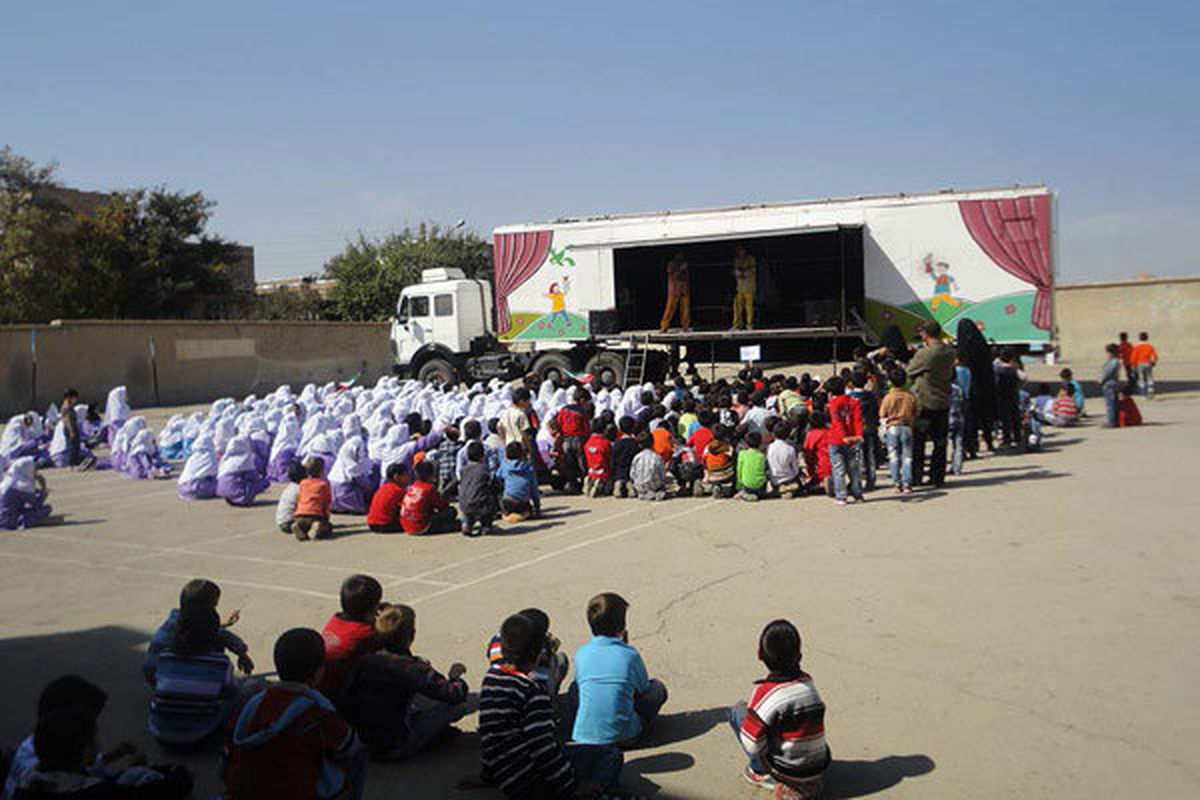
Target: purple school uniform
(198, 489)
(241, 488)
(277, 469)
(20, 510)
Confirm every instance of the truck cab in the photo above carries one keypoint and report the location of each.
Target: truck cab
(437, 320)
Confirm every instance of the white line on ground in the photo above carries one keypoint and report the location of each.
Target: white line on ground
(569, 548)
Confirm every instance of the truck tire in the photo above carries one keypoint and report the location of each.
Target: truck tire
(552, 365)
(438, 371)
(607, 368)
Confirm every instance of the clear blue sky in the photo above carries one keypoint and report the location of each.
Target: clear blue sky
(307, 121)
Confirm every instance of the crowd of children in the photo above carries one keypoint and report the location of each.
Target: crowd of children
(418, 458)
(356, 692)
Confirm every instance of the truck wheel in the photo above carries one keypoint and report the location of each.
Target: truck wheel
(608, 368)
(438, 371)
(555, 366)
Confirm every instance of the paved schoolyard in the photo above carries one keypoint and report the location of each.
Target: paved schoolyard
(1030, 631)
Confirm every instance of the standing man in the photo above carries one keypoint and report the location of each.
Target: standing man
(745, 273)
(514, 423)
(679, 293)
(931, 370)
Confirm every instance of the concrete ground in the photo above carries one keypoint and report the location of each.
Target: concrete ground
(1030, 631)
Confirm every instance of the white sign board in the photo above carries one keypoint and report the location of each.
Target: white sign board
(751, 352)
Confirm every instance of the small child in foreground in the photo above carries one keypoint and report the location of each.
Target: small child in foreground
(551, 666)
(350, 633)
(198, 594)
(424, 510)
(782, 728)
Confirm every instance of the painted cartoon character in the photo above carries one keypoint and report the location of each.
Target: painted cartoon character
(558, 304)
(942, 283)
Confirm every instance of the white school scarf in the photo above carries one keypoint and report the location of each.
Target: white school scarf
(19, 476)
(202, 463)
(350, 463)
(288, 436)
(116, 409)
(144, 444)
(238, 457)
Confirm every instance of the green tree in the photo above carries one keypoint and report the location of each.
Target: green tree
(369, 274)
(290, 303)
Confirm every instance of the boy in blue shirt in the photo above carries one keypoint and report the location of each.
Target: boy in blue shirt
(521, 498)
(614, 697)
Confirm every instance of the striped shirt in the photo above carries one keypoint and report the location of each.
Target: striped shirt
(521, 752)
(785, 726)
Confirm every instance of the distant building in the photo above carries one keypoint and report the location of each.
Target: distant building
(321, 286)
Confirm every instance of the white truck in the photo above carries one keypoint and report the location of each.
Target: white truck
(587, 295)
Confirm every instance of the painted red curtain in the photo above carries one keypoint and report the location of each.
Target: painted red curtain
(1015, 233)
(517, 256)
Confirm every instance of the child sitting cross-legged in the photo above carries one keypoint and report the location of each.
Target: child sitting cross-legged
(752, 469)
(398, 702)
(198, 594)
(476, 497)
(551, 666)
(423, 510)
(782, 728)
(384, 514)
(648, 471)
(288, 740)
(350, 634)
(521, 498)
(598, 451)
(285, 510)
(521, 752)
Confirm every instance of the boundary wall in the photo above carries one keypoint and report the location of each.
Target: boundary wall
(1089, 316)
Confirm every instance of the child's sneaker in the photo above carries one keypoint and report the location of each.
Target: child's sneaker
(762, 780)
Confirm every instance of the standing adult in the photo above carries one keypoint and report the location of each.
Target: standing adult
(70, 423)
(931, 370)
(976, 355)
(514, 422)
(679, 293)
(1110, 383)
(745, 274)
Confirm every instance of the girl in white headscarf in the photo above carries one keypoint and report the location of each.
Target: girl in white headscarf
(238, 480)
(22, 496)
(323, 446)
(116, 411)
(351, 479)
(124, 438)
(22, 437)
(143, 460)
(170, 441)
(283, 449)
(198, 481)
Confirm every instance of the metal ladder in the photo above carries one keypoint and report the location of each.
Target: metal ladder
(635, 360)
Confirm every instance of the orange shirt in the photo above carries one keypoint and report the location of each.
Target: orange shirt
(1143, 353)
(662, 444)
(315, 498)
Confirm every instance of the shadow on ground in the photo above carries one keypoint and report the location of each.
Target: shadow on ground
(846, 779)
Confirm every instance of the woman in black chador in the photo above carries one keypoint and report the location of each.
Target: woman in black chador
(980, 410)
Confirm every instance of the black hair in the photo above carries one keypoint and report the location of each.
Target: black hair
(315, 467)
(296, 472)
(791, 383)
(754, 440)
(299, 654)
(520, 642)
(834, 385)
(360, 596)
(395, 471)
(1043, 388)
(472, 429)
(645, 440)
(1122, 336)
(539, 618)
(69, 393)
(71, 690)
(1143, 337)
(606, 614)
(1112, 349)
(818, 419)
(62, 737)
(931, 329)
(199, 593)
(628, 425)
(898, 377)
(196, 630)
(424, 470)
(779, 647)
(1066, 374)
(860, 377)
(475, 451)
(520, 395)
(515, 451)
(494, 425)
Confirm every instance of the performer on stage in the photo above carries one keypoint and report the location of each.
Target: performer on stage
(679, 293)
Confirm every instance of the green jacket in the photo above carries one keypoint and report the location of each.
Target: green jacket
(751, 469)
(932, 369)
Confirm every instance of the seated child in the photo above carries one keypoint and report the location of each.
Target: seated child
(1064, 412)
(144, 460)
(384, 514)
(194, 686)
(783, 464)
(663, 444)
(66, 743)
(551, 666)
(350, 633)
(314, 503)
(397, 702)
(521, 498)
(445, 456)
(624, 450)
(1068, 378)
(752, 469)
(72, 691)
(476, 497)
(816, 454)
(23, 496)
(616, 699)
(782, 728)
(686, 470)
(238, 480)
(648, 471)
(198, 480)
(203, 595)
(719, 470)
(598, 452)
(285, 509)
(351, 481)
(521, 752)
(288, 740)
(423, 510)
(1127, 410)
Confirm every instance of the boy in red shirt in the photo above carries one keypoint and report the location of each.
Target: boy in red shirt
(384, 514)
(287, 740)
(423, 510)
(816, 453)
(598, 452)
(350, 634)
(845, 441)
(314, 503)
(701, 436)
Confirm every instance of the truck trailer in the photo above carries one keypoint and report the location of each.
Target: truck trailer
(587, 295)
